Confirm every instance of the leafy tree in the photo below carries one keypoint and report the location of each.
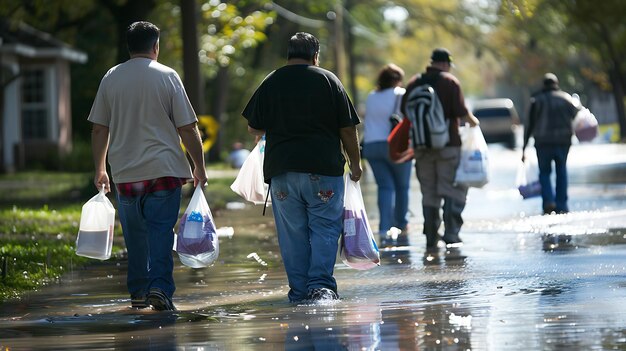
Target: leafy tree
(573, 36)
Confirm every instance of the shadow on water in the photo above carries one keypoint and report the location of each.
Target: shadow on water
(502, 290)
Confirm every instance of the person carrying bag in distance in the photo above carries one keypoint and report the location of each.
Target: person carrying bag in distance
(436, 164)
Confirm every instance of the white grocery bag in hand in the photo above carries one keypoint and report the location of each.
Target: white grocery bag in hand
(585, 125)
(249, 183)
(473, 169)
(95, 232)
(358, 247)
(527, 179)
(197, 243)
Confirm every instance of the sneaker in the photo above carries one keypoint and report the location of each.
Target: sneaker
(159, 301)
(452, 240)
(139, 302)
(322, 294)
(549, 209)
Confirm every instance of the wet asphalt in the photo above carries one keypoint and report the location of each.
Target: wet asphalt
(521, 281)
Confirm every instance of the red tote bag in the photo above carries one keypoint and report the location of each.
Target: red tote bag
(400, 149)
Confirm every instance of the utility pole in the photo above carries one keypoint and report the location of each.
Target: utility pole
(339, 42)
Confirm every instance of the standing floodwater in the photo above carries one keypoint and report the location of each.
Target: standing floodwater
(522, 281)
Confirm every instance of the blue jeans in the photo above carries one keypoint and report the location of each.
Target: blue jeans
(393, 185)
(545, 155)
(308, 210)
(148, 225)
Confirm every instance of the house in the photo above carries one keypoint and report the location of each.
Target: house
(35, 105)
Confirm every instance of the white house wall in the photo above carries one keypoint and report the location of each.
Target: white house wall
(11, 129)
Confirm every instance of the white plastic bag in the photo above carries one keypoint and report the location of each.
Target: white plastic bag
(585, 125)
(249, 183)
(527, 179)
(358, 247)
(197, 243)
(95, 232)
(473, 169)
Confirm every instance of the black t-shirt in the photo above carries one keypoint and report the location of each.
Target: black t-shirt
(301, 108)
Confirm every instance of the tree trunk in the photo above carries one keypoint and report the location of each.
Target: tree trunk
(351, 62)
(221, 85)
(131, 11)
(191, 63)
(618, 94)
(339, 45)
(616, 77)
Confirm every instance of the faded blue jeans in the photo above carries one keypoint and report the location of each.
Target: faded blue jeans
(392, 180)
(308, 210)
(148, 225)
(553, 199)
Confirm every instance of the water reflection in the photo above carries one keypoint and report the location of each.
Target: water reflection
(315, 331)
(501, 290)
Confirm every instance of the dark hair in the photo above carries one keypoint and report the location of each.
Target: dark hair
(303, 45)
(141, 37)
(390, 76)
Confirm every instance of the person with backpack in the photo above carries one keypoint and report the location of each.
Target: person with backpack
(392, 178)
(435, 105)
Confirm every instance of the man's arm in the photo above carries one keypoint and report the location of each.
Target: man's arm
(530, 125)
(99, 148)
(350, 140)
(471, 119)
(258, 133)
(190, 136)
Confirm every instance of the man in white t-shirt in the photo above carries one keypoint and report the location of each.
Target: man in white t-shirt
(140, 114)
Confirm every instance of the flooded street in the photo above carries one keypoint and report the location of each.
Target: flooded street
(521, 281)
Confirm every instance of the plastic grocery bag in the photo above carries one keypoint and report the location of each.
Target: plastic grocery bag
(249, 183)
(95, 232)
(358, 247)
(473, 169)
(197, 243)
(585, 125)
(527, 179)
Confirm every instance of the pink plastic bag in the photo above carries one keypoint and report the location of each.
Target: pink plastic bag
(358, 247)
(585, 125)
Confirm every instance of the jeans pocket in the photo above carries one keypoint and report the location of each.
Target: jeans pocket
(126, 200)
(164, 194)
(324, 188)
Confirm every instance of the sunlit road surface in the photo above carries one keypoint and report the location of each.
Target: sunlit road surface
(521, 281)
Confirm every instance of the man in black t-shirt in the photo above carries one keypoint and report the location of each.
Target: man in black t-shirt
(306, 116)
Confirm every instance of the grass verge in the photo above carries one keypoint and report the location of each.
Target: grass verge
(39, 219)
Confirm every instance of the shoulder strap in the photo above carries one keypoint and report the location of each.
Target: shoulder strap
(396, 105)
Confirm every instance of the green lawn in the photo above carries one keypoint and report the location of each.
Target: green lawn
(39, 218)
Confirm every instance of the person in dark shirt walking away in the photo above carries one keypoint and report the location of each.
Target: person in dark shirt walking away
(140, 114)
(436, 168)
(550, 123)
(392, 178)
(306, 116)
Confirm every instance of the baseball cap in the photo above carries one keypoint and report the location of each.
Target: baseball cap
(441, 55)
(550, 78)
